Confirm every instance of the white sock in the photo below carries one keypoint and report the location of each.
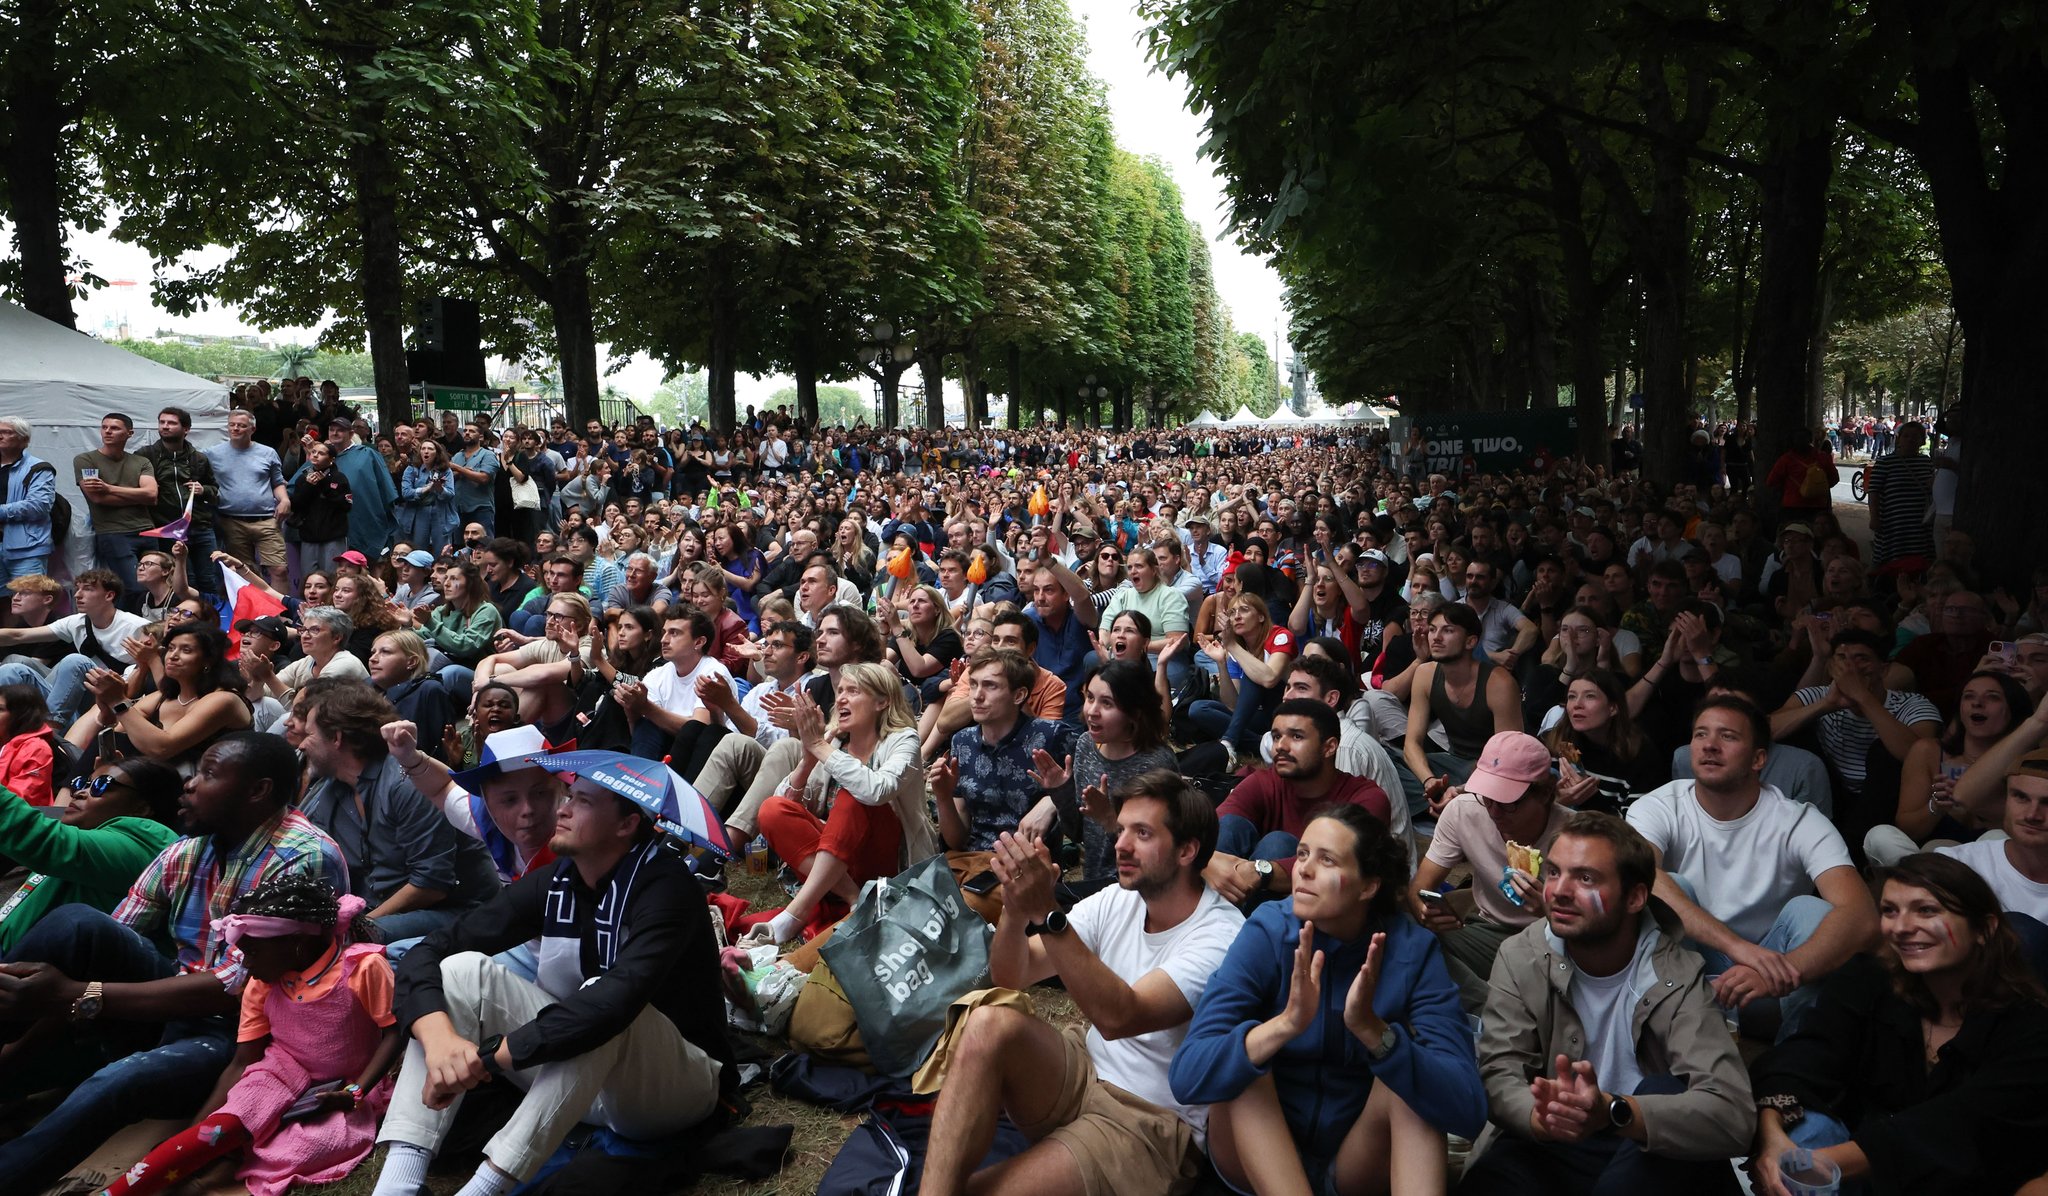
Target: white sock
(488, 1181)
(405, 1170)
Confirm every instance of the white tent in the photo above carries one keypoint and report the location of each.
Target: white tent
(62, 382)
(1285, 415)
(1204, 420)
(1243, 419)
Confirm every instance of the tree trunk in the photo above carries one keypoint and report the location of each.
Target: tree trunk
(380, 279)
(575, 319)
(1013, 361)
(722, 326)
(1794, 215)
(934, 365)
(803, 364)
(891, 380)
(33, 159)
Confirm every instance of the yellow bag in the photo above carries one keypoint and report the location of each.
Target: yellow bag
(823, 1023)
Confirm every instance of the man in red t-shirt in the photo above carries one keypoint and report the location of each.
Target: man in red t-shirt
(1262, 819)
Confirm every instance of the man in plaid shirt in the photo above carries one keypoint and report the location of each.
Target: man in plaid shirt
(92, 997)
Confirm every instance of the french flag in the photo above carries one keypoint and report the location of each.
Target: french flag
(179, 529)
(245, 601)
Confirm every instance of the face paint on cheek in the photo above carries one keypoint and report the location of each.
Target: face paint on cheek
(1948, 933)
(1596, 902)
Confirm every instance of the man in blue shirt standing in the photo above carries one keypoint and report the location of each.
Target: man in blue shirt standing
(476, 476)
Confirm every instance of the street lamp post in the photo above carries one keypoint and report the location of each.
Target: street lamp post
(884, 356)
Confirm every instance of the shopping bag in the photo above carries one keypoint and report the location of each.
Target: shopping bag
(908, 950)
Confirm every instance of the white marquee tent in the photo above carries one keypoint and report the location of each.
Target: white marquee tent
(1204, 420)
(1243, 419)
(1285, 415)
(62, 382)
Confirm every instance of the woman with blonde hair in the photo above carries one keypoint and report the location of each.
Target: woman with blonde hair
(922, 641)
(863, 769)
(398, 668)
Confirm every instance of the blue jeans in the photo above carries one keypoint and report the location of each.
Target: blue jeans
(63, 689)
(23, 566)
(1237, 835)
(117, 551)
(143, 1071)
(488, 516)
(415, 924)
(457, 680)
(1241, 725)
(200, 545)
(1793, 926)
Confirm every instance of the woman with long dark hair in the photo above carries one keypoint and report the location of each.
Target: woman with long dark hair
(1919, 1071)
(200, 701)
(1126, 738)
(1991, 705)
(1604, 760)
(462, 627)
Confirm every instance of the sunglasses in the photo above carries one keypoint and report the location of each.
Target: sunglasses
(82, 784)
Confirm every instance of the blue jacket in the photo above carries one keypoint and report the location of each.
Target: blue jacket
(25, 508)
(1324, 1075)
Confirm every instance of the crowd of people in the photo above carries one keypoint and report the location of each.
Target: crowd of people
(1357, 809)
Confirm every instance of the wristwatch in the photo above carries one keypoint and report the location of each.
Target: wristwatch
(1265, 870)
(1620, 1114)
(87, 1006)
(1055, 923)
(121, 707)
(487, 1054)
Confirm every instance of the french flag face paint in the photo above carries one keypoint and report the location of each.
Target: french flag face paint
(1596, 902)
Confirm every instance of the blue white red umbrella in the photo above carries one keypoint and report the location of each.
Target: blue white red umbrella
(674, 803)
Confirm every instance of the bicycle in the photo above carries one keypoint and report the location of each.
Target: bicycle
(1858, 489)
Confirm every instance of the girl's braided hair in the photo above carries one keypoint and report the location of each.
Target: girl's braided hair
(303, 898)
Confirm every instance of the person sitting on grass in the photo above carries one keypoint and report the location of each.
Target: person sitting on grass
(315, 1013)
(117, 821)
(866, 764)
(1096, 1104)
(1330, 1047)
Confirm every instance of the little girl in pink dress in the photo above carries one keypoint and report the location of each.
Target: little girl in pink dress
(316, 1013)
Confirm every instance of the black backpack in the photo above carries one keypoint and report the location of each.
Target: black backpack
(60, 507)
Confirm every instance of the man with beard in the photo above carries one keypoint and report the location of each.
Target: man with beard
(1606, 1063)
(1262, 819)
(616, 1030)
(1136, 959)
(149, 1034)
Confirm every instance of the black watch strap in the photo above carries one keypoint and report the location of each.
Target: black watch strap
(487, 1053)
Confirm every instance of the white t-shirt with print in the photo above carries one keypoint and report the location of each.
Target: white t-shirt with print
(1112, 923)
(2016, 894)
(1742, 872)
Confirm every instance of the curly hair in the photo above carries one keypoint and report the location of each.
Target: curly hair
(302, 898)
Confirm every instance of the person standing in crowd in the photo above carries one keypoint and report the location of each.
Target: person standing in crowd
(120, 488)
(475, 467)
(372, 516)
(1901, 492)
(28, 495)
(250, 482)
(184, 474)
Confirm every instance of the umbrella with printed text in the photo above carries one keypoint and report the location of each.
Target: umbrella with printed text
(674, 803)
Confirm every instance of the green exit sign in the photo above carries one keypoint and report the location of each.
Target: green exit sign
(460, 398)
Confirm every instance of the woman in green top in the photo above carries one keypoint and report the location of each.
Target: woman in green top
(117, 822)
(462, 627)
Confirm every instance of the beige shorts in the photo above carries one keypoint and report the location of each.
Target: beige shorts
(251, 541)
(1122, 1144)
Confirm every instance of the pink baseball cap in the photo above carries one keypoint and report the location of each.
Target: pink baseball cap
(352, 557)
(1509, 763)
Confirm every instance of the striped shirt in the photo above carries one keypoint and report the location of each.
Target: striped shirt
(1846, 736)
(192, 882)
(1902, 485)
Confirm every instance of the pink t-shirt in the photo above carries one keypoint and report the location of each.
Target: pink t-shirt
(1466, 834)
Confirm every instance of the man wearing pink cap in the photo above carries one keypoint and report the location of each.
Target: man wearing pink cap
(1510, 797)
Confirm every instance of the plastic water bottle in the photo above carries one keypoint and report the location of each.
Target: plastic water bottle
(757, 856)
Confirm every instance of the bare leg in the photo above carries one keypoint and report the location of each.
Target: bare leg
(999, 1066)
(823, 873)
(1390, 1147)
(1046, 1169)
(1252, 1146)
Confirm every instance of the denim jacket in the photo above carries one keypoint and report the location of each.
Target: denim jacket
(25, 509)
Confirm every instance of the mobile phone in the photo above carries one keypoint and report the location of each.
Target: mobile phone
(309, 1101)
(2006, 649)
(981, 884)
(1437, 902)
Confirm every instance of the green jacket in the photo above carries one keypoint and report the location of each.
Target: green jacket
(69, 865)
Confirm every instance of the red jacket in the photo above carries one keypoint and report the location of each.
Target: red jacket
(26, 762)
(1790, 470)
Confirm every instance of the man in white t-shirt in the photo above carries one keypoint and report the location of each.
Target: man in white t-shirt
(2016, 867)
(98, 633)
(1740, 863)
(660, 703)
(1136, 959)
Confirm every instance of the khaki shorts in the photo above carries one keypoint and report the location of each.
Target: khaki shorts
(1122, 1144)
(251, 541)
